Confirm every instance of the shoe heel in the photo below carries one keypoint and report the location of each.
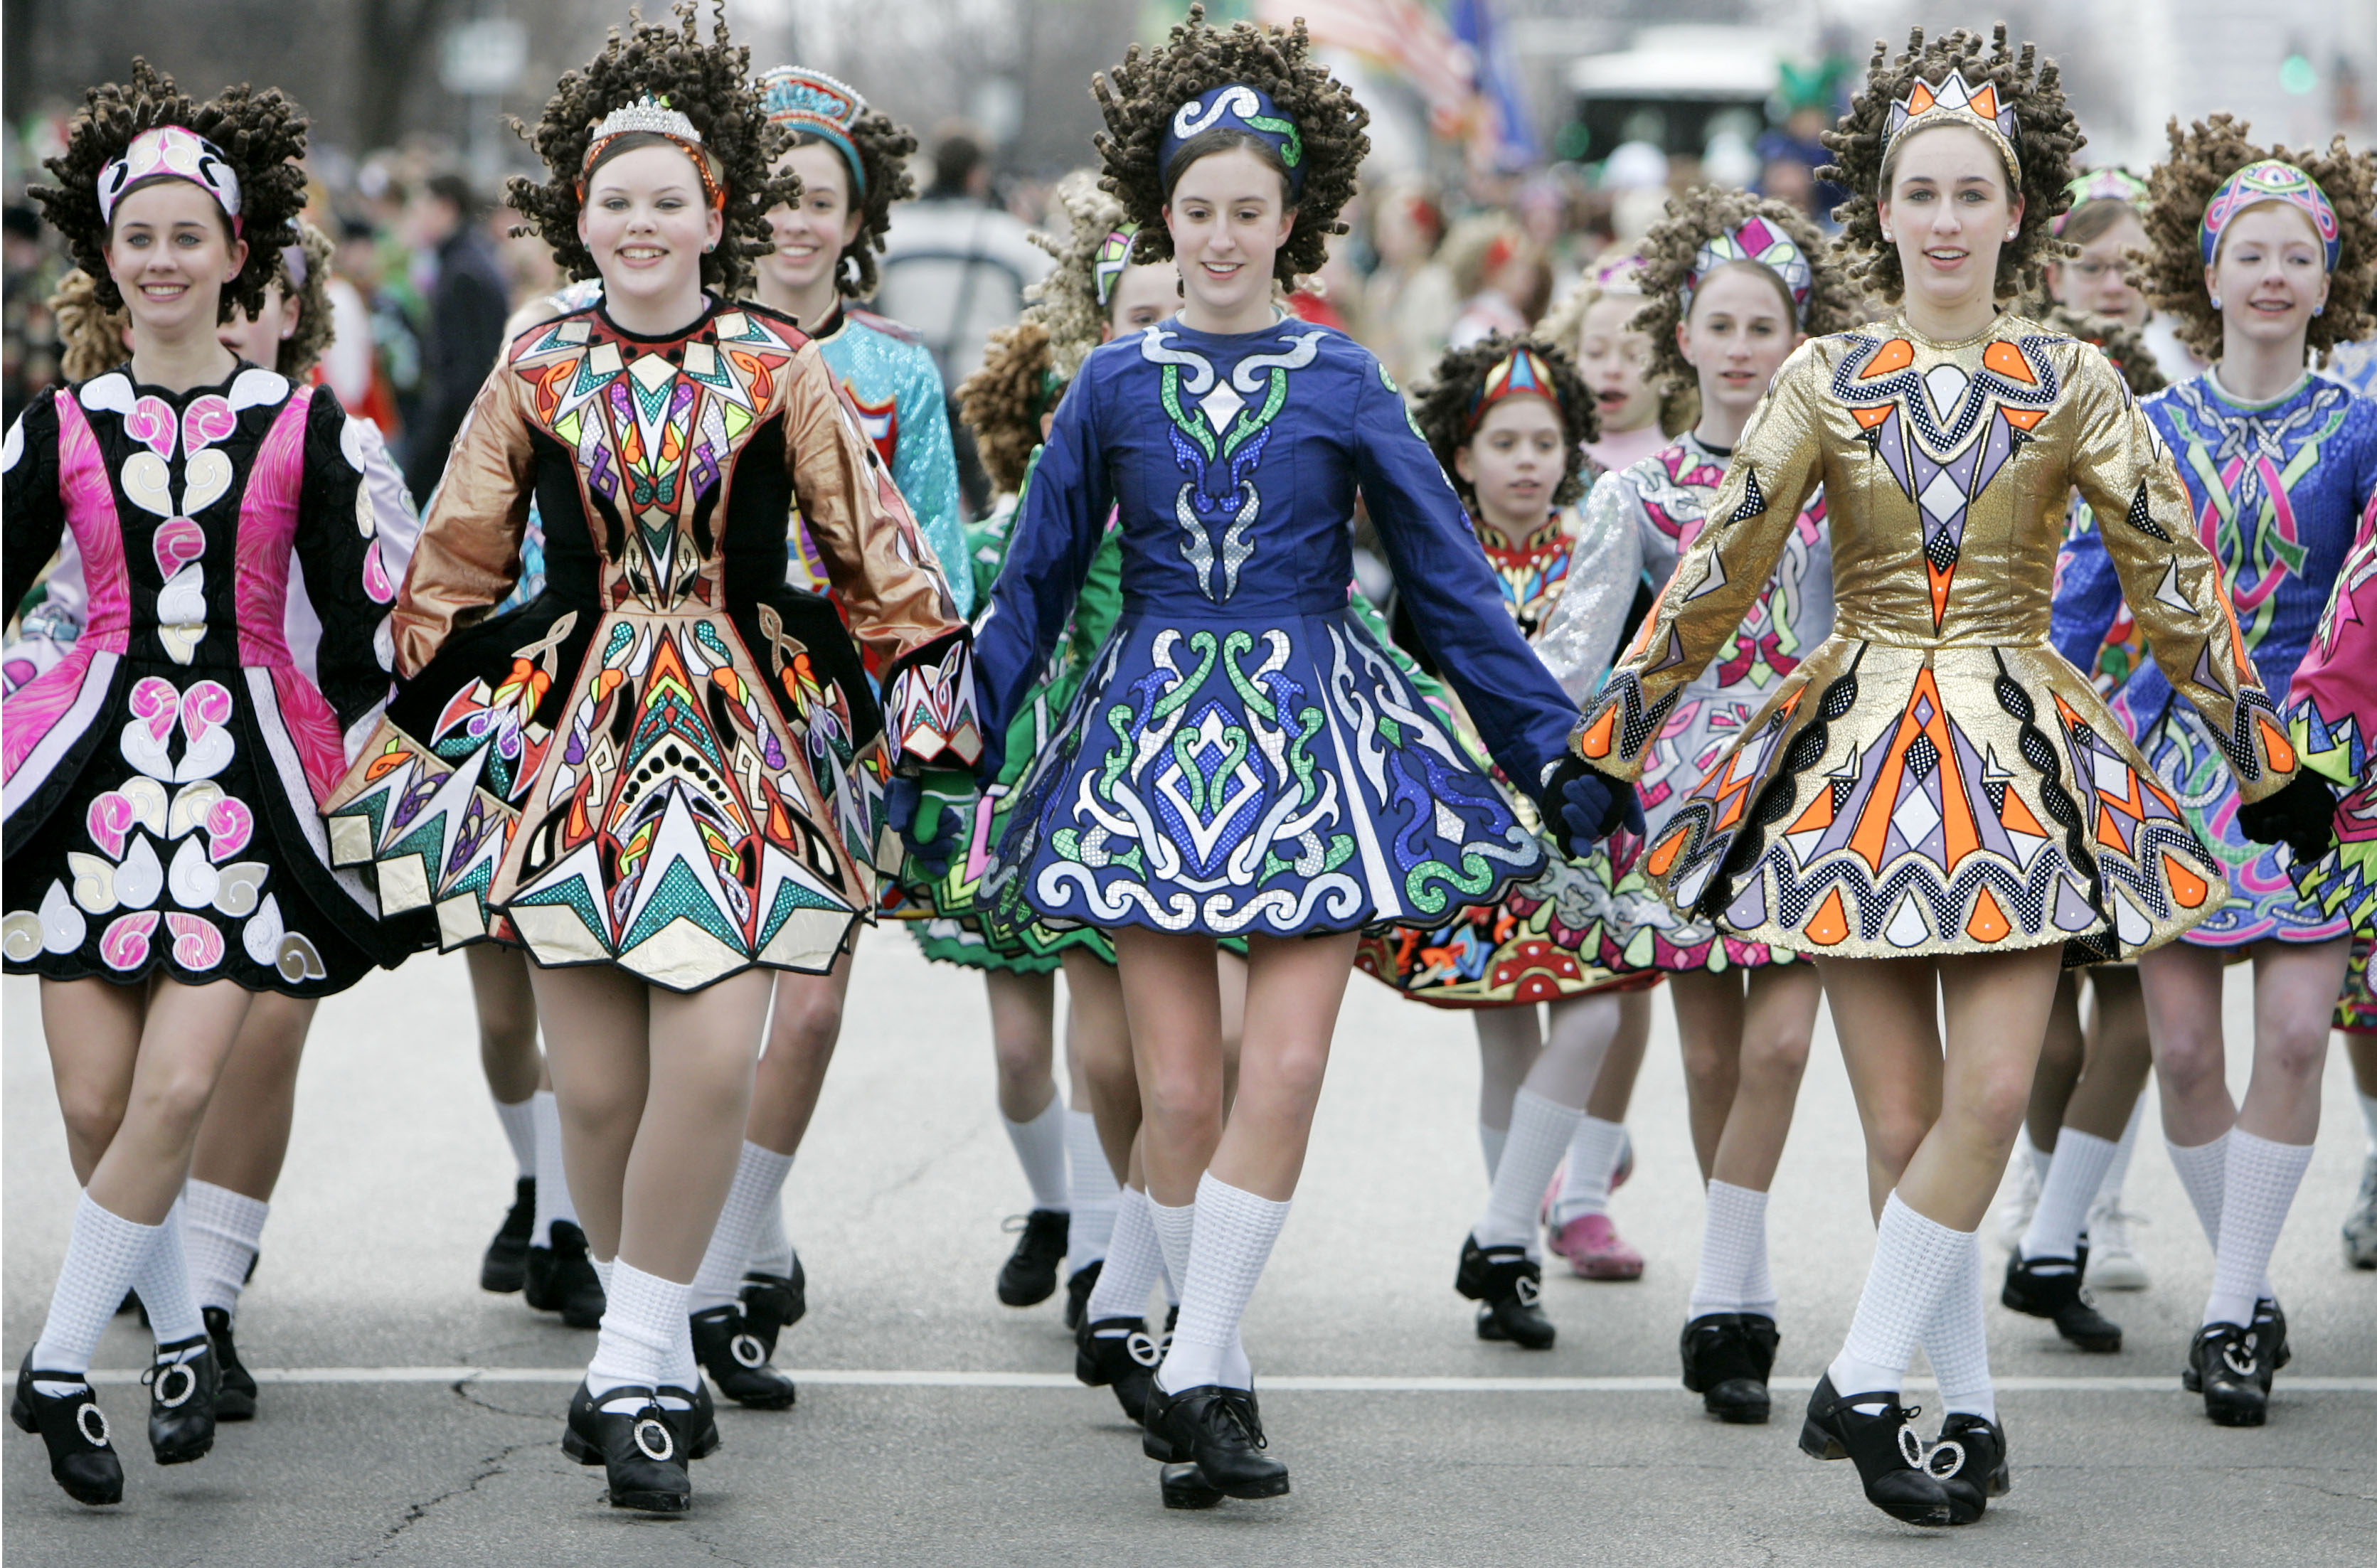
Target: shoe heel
(22, 1417)
(575, 1447)
(1158, 1449)
(1817, 1443)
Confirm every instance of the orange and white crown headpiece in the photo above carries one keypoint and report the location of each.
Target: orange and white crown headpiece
(1981, 108)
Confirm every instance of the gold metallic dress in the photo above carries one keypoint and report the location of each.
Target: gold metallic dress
(1935, 778)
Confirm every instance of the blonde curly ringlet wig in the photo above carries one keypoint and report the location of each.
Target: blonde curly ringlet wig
(2046, 136)
(1066, 301)
(2203, 155)
(1563, 327)
(1706, 213)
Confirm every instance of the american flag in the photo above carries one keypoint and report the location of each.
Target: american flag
(1405, 36)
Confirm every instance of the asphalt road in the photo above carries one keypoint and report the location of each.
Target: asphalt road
(936, 1426)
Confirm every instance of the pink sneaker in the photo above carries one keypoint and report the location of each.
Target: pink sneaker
(1594, 1250)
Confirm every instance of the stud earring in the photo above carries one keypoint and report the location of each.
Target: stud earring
(2216, 302)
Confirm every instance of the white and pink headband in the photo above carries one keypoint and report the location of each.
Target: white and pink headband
(177, 152)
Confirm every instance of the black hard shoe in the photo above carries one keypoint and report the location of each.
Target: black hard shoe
(1077, 1292)
(773, 1303)
(737, 1362)
(2050, 1287)
(696, 1416)
(1118, 1353)
(2227, 1361)
(236, 1401)
(1511, 1284)
(1489, 1327)
(1889, 1455)
(1219, 1429)
(183, 1382)
(561, 1277)
(1184, 1486)
(1728, 1358)
(1969, 1462)
(2270, 1323)
(639, 1446)
(504, 1268)
(1029, 1275)
(73, 1429)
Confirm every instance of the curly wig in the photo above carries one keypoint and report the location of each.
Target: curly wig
(1002, 402)
(2120, 342)
(260, 135)
(1563, 325)
(1442, 410)
(711, 85)
(2046, 135)
(2182, 185)
(91, 336)
(884, 149)
(1674, 243)
(1066, 301)
(304, 348)
(1142, 94)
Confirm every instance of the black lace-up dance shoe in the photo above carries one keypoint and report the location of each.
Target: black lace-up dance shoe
(773, 1303)
(505, 1267)
(640, 1448)
(561, 1277)
(1184, 1486)
(1511, 1284)
(1219, 1429)
(1118, 1353)
(1029, 1275)
(1881, 1440)
(737, 1362)
(2050, 1287)
(182, 1384)
(236, 1399)
(73, 1429)
(1077, 1292)
(1969, 1462)
(2228, 1365)
(1728, 1358)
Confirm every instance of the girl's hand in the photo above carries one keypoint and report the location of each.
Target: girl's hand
(1582, 805)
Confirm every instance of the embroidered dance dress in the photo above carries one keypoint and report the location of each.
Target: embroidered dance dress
(2331, 710)
(164, 775)
(1243, 756)
(1665, 499)
(664, 761)
(1544, 938)
(1936, 778)
(2276, 490)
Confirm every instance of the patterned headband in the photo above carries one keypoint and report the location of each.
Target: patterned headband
(2269, 180)
(1519, 374)
(1238, 107)
(654, 118)
(2100, 184)
(1764, 243)
(1112, 261)
(817, 105)
(174, 152)
(1954, 100)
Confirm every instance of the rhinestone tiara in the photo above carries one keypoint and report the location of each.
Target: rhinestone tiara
(647, 114)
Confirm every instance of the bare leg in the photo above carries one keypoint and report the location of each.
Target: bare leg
(245, 1137)
(1099, 1034)
(507, 1009)
(1778, 1022)
(92, 1030)
(703, 1049)
(2181, 982)
(2295, 987)
(1709, 1013)
(2119, 1055)
(184, 1038)
(1023, 1038)
(1613, 1090)
(597, 1033)
(1509, 1040)
(2061, 1056)
(1173, 996)
(804, 1026)
(1294, 989)
(2362, 1051)
(1232, 971)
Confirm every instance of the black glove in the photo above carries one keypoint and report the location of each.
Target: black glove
(1582, 805)
(2302, 816)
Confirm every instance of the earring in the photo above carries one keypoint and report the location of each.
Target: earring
(1888, 238)
(2320, 309)
(2216, 302)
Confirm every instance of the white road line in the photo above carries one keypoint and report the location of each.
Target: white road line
(901, 1378)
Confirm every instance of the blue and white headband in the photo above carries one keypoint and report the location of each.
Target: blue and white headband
(817, 105)
(1238, 107)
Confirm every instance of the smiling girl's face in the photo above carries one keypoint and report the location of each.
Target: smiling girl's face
(2269, 274)
(171, 252)
(812, 233)
(646, 221)
(1949, 211)
(1228, 216)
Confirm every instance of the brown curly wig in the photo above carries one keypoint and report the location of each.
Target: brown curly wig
(884, 149)
(711, 85)
(1145, 92)
(260, 135)
(1442, 410)
(2046, 136)
(1002, 402)
(1673, 244)
(2120, 342)
(2208, 152)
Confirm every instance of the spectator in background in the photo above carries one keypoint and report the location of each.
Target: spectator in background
(468, 303)
(1501, 274)
(954, 268)
(1411, 298)
(29, 335)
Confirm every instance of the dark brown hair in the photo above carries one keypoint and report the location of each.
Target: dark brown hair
(1139, 97)
(2203, 155)
(1442, 413)
(261, 135)
(2046, 136)
(2124, 345)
